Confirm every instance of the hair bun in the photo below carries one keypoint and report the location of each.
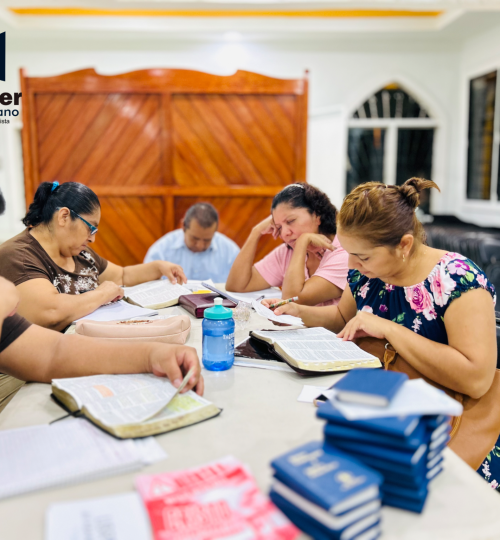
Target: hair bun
(411, 189)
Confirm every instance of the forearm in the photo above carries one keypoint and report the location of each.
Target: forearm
(241, 271)
(60, 310)
(295, 278)
(439, 362)
(326, 316)
(140, 273)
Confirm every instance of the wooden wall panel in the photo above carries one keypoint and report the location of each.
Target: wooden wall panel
(129, 225)
(233, 140)
(237, 216)
(99, 139)
(151, 143)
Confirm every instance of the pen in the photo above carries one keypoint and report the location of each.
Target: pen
(260, 298)
(283, 302)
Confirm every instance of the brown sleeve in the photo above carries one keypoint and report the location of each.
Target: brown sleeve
(101, 264)
(20, 265)
(12, 328)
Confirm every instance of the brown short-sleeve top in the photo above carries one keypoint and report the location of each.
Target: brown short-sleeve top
(22, 258)
(11, 329)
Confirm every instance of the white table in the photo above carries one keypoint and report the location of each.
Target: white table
(261, 419)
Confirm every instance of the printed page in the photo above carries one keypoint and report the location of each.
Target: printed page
(69, 451)
(155, 292)
(119, 517)
(119, 399)
(118, 311)
(323, 350)
(299, 334)
(249, 296)
(180, 405)
(269, 314)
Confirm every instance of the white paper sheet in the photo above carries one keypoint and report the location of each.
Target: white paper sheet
(269, 314)
(119, 517)
(197, 285)
(414, 397)
(249, 296)
(120, 399)
(242, 363)
(156, 292)
(118, 311)
(309, 393)
(69, 451)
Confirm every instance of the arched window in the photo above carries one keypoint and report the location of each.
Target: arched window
(391, 138)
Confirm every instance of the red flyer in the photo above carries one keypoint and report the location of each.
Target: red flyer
(219, 500)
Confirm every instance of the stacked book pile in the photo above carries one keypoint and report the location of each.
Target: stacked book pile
(407, 449)
(327, 494)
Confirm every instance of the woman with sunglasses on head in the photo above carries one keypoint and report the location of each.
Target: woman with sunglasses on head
(52, 256)
(310, 264)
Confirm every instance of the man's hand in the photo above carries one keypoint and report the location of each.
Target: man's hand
(9, 299)
(174, 362)
(173, 272)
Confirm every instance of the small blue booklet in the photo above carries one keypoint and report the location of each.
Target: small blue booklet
(372, 387)
(402, 426)
(327, 477)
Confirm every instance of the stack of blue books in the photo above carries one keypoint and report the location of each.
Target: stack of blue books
(327, 494)
(406, 451)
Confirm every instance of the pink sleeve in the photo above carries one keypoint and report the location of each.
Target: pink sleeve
(273, 266)
(334, 267)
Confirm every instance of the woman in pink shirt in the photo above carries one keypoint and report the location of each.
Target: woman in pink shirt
(310, 264)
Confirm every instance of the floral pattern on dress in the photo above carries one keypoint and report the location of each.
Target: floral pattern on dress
(86, 280)
(422, 307)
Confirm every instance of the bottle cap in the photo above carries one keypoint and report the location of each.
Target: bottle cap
(218, 312)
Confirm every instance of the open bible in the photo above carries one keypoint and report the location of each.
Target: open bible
(155, 294)
(130, 406)
(313, 350)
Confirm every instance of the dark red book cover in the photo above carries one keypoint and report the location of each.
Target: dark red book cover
(196, 304)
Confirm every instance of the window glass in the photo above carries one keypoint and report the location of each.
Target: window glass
(365, 151)
(414, 158)
(481, 120)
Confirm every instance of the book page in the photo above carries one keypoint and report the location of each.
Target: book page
(299, 334)
(323, 350)
(118, 311)
(117, 400)
(263, 311)
(180, 405)
(155, 292)
(249, 296)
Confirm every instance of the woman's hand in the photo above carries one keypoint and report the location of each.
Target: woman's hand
(173, 272)
(174, 362)
(110, 292)
(267, 302)
(365, 324)
(289, 309)
(9, 299)
(267, 226)
(316, 244)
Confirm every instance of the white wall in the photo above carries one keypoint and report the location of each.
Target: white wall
(480, 55)
(342, 75)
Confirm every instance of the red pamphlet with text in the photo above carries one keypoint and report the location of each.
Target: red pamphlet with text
(219, 500)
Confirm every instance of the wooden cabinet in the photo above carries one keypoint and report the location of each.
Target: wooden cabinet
(151, 143)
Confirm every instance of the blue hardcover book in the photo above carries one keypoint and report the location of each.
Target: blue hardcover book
(409, 458)
(319, 530)
(440, 431)
(406, 504)
(416, 493)
(375, 387)
(434, 421)
(384, 465)
(350, 433)
(437, 450)
(328, 477)
(335, 523)
(397, 427)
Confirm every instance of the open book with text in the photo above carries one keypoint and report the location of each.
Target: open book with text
(130, 406)
(155, 294)
(315, 350)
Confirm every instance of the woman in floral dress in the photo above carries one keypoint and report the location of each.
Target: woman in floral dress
(434, 307)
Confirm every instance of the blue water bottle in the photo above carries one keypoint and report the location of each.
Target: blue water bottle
(218, 337)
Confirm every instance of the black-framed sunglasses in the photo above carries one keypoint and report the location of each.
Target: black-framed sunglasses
(93, 229)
